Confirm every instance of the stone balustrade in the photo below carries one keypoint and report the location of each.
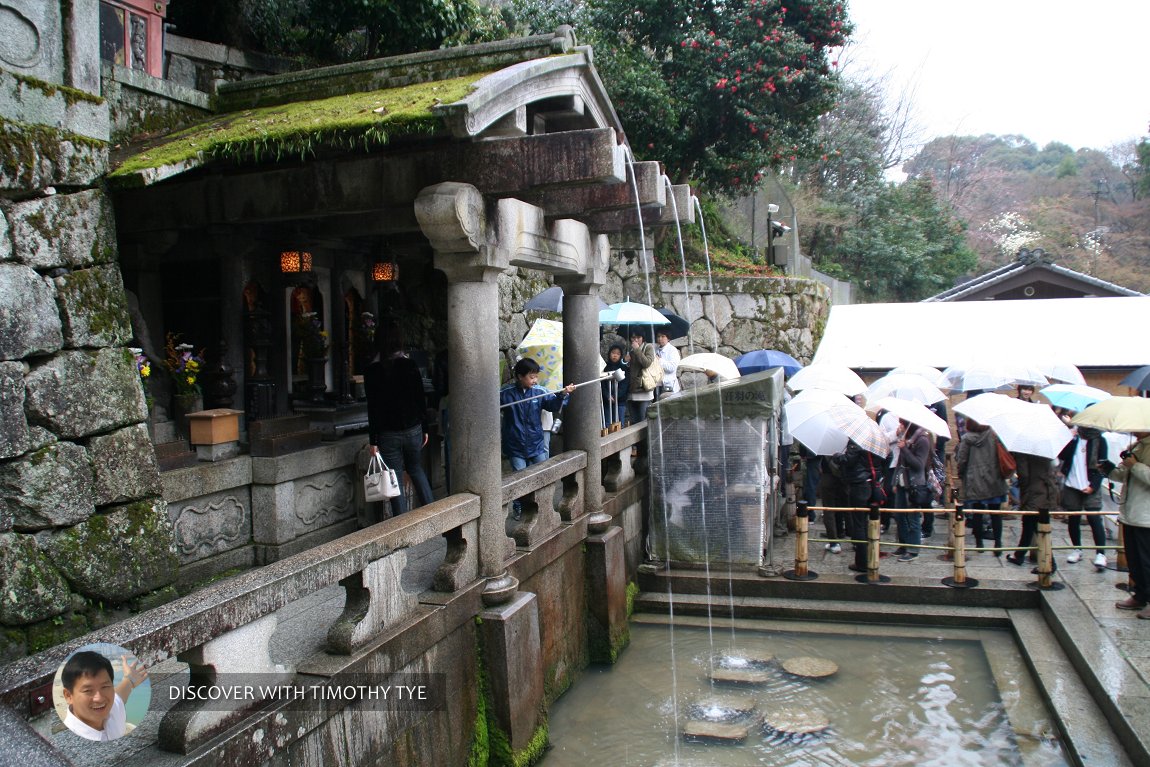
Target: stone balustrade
(386, 627)
(549, 494)
(225, 628)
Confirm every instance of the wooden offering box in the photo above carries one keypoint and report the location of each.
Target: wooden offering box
(215, 427)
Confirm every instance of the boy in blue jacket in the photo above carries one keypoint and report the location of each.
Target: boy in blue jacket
(522, 404)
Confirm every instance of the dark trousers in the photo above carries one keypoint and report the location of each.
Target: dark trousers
(1137, 540)
(976, 520)
(1074, 527)
(858, 495)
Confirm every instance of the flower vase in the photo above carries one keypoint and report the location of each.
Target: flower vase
(317, 378)
(184, 404)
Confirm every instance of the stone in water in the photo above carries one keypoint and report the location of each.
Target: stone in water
(797, 721)
(810, 667)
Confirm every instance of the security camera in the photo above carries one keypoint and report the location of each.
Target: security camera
(778, 228)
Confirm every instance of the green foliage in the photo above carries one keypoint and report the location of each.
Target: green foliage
(1143, 168)
(904, 247)
(332, 31)
(727, 253)
(717, 91)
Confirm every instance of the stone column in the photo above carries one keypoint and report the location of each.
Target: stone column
(583, 419)
(452, 217)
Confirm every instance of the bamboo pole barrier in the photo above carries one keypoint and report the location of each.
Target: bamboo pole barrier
(873, 534)
(958, 536)
(1045, 554)
(802, 555)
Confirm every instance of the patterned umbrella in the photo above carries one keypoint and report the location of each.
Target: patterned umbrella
(544, 344)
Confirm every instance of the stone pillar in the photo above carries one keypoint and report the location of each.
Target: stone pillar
(452, 217)
(583, 419)
(514, 658)
(607, 594)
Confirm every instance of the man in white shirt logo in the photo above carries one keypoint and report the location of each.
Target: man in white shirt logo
(96, 707)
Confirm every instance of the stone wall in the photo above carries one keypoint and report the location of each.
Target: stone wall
(83, 531)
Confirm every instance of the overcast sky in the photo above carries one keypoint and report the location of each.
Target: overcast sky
(1050, 70)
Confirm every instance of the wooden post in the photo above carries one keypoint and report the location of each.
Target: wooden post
(958, 541)
(873, 533)
(1045, 553)
(802, 555)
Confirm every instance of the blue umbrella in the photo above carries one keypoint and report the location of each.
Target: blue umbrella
(765, 359)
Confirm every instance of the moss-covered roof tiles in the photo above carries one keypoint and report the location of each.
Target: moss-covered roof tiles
(356, 119)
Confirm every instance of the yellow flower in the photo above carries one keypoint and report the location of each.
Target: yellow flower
(146, 371)
(191, 380)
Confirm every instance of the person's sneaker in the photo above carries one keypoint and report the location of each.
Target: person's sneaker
(900, 551)
(908, 557)
(1074, 556)
(835, 548)
(1130, 603)
(1100, 560)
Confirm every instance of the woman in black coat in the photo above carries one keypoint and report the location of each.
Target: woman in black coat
(396, 413)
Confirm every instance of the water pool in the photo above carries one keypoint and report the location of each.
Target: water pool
(901, 696)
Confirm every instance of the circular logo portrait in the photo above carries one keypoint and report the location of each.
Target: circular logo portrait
(101, 692)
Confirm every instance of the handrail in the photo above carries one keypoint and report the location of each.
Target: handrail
(199, 617)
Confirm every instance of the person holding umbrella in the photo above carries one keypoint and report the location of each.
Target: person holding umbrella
(983, 486)
(1037, 491)
(641, 356)
(1134, 513)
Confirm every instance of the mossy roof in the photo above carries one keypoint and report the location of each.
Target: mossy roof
(351, 120)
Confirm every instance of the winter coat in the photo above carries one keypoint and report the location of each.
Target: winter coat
(915, 456)
(639, 360)
(977, 459)
(1037, 487)
(1135, 504)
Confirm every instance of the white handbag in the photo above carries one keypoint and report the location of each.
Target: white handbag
(380, 482)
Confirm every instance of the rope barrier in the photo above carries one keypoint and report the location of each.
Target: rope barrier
(955, 550)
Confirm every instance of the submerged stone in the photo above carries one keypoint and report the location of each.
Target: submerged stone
(724, 731)
(740, 676)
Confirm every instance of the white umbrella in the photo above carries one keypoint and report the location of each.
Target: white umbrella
(1062, 371)
(716, 363)
(916, 413)
(1023, 427)
(827, 376)
(934, 375)
(991, 375)
(904, 386)
(1074, 397)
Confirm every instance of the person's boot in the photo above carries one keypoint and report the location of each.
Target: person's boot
(998, 545)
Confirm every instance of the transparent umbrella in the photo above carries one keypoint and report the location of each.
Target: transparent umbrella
(916, 413)
(830, 377)
(904, 386)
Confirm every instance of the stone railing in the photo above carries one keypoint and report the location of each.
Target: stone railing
(226, 628)
(548, 495)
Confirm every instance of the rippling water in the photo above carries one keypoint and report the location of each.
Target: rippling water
(905, 700)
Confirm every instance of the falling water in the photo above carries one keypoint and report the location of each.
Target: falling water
(670, 596)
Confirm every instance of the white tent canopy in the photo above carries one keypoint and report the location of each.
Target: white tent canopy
(1087, 332)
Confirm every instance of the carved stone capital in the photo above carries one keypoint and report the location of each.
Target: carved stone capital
(452, 218)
